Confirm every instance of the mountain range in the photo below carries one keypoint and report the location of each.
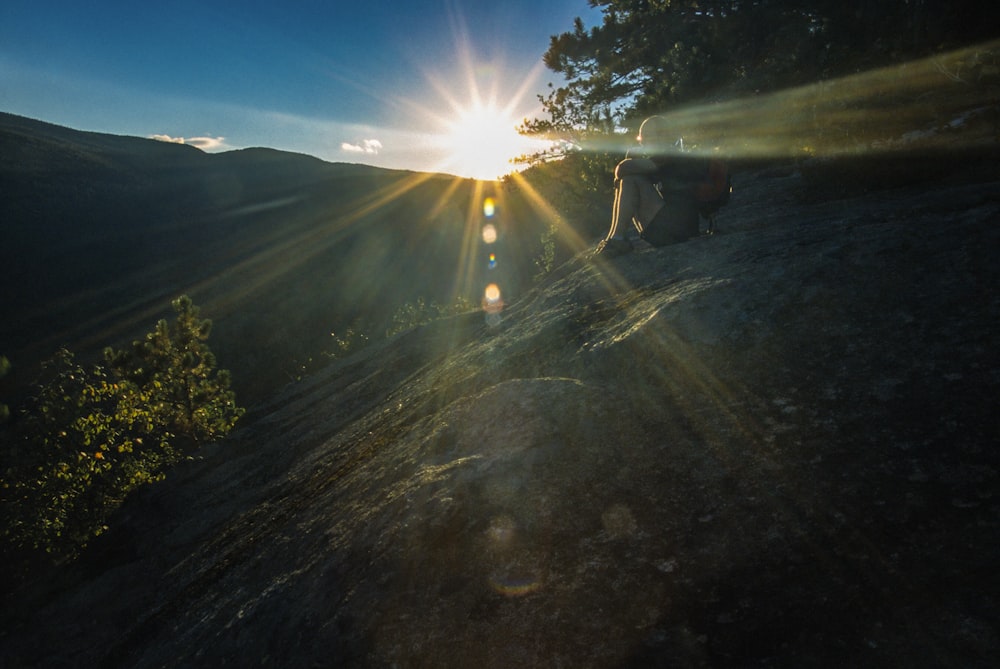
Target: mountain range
(280, 250)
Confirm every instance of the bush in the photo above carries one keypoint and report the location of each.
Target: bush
(413, 314)
(183, 392)
(89, 436)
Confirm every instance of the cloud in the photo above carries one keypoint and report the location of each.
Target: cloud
(203, 143)
(369, 146)
(167, 138)
(207, 143)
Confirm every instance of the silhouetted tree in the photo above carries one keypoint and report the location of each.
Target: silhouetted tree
(647, 56)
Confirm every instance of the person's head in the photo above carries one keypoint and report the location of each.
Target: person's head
(653, 133)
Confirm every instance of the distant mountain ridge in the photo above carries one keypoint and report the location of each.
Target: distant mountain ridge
(280, 249)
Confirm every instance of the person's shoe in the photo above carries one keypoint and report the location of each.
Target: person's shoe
(611, 248)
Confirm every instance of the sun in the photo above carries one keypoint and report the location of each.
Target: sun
(482, 140)
(475, 115)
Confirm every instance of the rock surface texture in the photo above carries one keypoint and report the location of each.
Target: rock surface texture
(775, 447)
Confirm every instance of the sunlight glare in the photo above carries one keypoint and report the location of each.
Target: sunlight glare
(924, 104)
(492, 304)
(482, 140)
(489, 233)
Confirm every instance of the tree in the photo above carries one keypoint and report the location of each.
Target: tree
(176, 370)
(644, 56)
(651, 56)
(90, 435)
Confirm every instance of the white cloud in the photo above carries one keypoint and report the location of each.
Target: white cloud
(203, 143)
(167, 138)
(207, 143)
(369, 146)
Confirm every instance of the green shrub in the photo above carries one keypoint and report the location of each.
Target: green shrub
(183, 392)
(545, 260)
(412, 314)
(89, 436)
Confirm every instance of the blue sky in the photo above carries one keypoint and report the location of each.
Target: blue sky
(379, 82)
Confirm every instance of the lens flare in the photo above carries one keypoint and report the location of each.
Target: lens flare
(489, 207)
(492, 304)
(515, 586)
(489, 233)
(502, 530)
(518, 572)
(493, 261)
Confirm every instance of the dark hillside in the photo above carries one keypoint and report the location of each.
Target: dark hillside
(279, 249)
(776, 447)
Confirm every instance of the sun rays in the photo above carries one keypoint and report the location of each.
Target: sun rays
(482, 141)
(472, 118)
(925, 103)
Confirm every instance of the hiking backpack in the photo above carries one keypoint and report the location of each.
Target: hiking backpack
(714, 192)
(698, 188)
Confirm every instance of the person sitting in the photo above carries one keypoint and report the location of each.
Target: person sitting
(654, 190)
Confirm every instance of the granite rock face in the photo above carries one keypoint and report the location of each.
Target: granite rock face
(776, 446)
